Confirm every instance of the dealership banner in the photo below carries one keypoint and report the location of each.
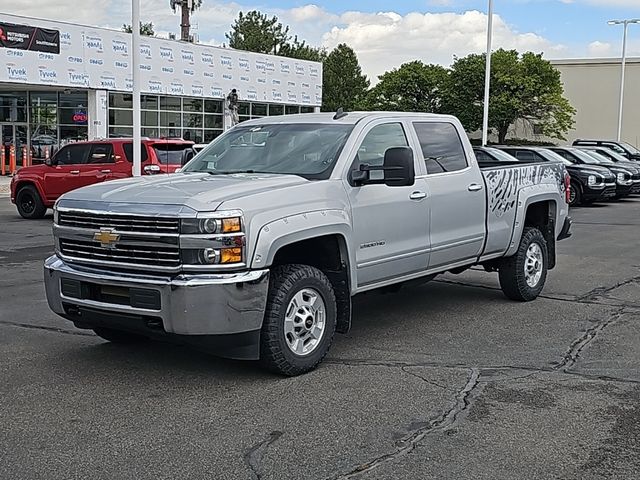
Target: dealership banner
(99, 58)
(24, 37)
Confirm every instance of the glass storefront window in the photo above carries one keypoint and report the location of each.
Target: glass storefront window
(149, 102)
(307, 109)
(244, 108)
(276, 109)
(291, 109)
(120, 100)
(258, 109)
(170, 103)
(213, 121)
(71, 99)
(170, 132)
(192, 120)
(192, 135)
(213, 106)
(13, 106)
(149, 119)
(69, 134)
(121, 131)
(210, 135)
(120, 117)
(73, 116)
(170, 119)
(192, 105)
(150, 132)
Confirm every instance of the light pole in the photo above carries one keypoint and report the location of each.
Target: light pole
(626, 24)
(135, 74)
(487, 76)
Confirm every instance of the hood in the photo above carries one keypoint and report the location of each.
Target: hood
(584, 167)
(200, 191)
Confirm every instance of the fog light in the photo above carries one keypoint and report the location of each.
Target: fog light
(210, 256)
(231, 255)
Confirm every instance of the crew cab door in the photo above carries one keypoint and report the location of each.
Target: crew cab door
(390, 224)
(456, 194)
(64, 173)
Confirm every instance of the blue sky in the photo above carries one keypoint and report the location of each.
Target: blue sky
(385, 34)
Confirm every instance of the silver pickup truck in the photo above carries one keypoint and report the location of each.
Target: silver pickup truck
(256, 248)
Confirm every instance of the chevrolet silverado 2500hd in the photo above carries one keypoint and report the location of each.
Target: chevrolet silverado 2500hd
(256, 248)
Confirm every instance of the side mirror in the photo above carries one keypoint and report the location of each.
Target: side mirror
(151, 169)
(48, 162)
(398, 167)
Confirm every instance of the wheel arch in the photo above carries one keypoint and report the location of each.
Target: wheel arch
(20, 184)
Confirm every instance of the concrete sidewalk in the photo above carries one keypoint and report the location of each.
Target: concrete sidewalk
(4, 184)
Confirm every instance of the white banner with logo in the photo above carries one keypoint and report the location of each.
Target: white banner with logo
(101, 59)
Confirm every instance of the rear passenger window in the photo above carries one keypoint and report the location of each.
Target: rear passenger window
(101, 153)
(441, 147)
(482, 157)
(128, 151)
(72, 155)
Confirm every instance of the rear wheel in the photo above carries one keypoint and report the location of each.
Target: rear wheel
(300, 320)
(118, 336)
(29, 203)
(575, 195)
(522, 276)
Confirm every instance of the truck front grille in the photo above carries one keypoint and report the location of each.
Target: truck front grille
(124, 254)
(122, 223)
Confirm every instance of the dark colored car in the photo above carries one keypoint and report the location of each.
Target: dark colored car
(589, 183)
(490, 156)
(619, 160)
(623, 148)
(627, 174)
(36, 188)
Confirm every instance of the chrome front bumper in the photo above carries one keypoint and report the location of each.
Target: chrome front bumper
(191, 304)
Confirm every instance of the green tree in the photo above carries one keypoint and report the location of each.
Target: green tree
(343, 83)
(145, 29)
(256, 32)
(523, 88)
(185, 13)
(414, 87)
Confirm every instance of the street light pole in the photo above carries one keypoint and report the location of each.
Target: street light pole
(487, 76)
(625, 24)
(135, 74)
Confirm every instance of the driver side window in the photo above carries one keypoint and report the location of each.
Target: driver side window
(375, 144)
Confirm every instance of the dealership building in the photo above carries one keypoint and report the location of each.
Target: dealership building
(61, 83)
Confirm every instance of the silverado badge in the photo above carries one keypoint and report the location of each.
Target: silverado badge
(107, 237)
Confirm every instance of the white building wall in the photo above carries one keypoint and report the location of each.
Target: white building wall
(98, 111)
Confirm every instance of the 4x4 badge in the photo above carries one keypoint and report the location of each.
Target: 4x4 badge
(107, 237)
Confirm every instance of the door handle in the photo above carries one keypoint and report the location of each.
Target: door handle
(74, 172)
(417, 195)
(105, 171)
(474, 187)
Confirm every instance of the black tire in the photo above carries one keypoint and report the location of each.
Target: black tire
(511, 273)
(118, 336)
(29, 203)
(287, 281)
(576, 195)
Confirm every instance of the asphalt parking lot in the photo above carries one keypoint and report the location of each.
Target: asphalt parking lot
(446, 380)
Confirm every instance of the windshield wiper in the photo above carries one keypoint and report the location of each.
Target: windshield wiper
(230, 172)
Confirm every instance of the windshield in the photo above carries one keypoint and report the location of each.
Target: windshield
(305, 149)
(553, 157)
(630, 148)
(600, 159)
(612, 156)
(172, 153)
(585, 157)
(500, 155)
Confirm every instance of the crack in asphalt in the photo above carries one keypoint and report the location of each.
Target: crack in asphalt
(409, 443)
(571, 356)
(253, 457)
(45, 328)
(600, 291)
(430, 382)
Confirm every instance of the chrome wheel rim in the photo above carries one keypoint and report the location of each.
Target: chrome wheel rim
(533, 265)
(305, 321)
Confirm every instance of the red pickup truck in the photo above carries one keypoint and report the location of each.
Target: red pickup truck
(36, 188)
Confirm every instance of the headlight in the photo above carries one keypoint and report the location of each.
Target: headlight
(212, 256)
(620, 177)
(592, 180)
(212, 224)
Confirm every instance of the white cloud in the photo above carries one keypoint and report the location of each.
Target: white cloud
(600, 49)
(385, 40)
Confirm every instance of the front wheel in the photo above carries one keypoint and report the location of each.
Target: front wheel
(300, 320)
(522, 276)
(575, 195)
(29, 203)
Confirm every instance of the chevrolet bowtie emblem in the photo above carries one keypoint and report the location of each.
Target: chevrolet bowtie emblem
(106, 237)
